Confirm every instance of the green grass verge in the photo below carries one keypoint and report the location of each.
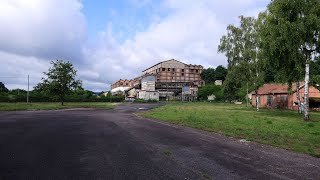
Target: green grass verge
(285, 129)
(51, 106)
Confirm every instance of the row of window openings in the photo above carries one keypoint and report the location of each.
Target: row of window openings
(121, 84)
(270, 99)
(182, 70)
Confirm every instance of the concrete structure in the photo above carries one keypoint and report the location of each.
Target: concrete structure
(218, 82)
(149, 95)
(211, 97)
(122, 85)
(167, 78)
(276, 96)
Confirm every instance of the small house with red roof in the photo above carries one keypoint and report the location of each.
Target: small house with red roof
(278, 96)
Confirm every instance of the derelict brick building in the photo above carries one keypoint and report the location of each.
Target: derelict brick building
(172, 80)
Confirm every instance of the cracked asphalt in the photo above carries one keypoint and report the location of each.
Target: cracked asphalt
(117, 144)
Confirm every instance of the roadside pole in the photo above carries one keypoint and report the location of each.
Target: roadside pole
(28, 90)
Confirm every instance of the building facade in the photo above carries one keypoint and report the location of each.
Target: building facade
(277, 96)
(176, 71)
(167, 80)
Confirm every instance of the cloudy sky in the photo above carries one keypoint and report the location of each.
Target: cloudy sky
(111, 39)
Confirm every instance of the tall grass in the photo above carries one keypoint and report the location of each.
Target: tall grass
(48, 106)
(285, 129)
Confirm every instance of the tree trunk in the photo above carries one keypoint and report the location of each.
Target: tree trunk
(298, 96)
(247, 95)
(306, 92)
(61, 103)
(257, 101)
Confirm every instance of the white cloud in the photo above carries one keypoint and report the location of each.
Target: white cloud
(52, 29)
(191, 32)
(35, 31)
(16, 68)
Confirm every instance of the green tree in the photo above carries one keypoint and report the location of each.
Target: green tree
(315, 72)
(221, 73)
(208, 75)
(60, 80)
(241, 47)
(290, 37)
(208, 90)
(3, 88)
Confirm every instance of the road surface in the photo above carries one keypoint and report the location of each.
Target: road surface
(116, 144)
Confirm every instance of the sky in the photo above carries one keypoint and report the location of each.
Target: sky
(107, 40)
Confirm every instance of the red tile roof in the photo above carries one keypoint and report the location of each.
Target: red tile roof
(277, 88)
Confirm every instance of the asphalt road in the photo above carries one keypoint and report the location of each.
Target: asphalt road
(116, 144)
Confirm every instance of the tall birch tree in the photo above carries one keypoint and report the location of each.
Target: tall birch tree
(290, 37)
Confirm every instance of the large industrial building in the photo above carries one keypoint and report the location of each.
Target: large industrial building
(167, 80)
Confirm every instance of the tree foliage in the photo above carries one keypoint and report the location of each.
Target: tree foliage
(208, 75)
(315, 72)
(241, 47)
(221, 73)
(3, 87)
(290, 39)
(60, 80)
(209, 90)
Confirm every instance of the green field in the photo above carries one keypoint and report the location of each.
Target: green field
(285, 129)
(49, 106)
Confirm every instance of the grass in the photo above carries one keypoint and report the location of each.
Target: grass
(167, 152)
(285, 129)
(52, 106)
(205, 175)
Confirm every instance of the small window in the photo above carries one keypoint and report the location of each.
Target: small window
(169, 69)
(163, 69)
(173, 69)
(182, 70)
(172, 78)
(154, 94)
(127, 84)
(172, 73)
(196, 70)
(182, 74)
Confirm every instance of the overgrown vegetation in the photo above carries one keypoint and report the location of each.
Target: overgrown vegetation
(280, 45)
(209, 90)
(146, 101)
(278, 128)
(60, 85)
(52, 106)
(78, 95)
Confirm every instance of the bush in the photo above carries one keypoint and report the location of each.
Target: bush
(208, 90)
(145, 101)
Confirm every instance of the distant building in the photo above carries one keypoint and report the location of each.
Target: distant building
(119, 87)
(165, 81)
(276, 95)
(218, 82)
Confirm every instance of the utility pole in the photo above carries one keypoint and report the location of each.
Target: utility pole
(28, 90)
